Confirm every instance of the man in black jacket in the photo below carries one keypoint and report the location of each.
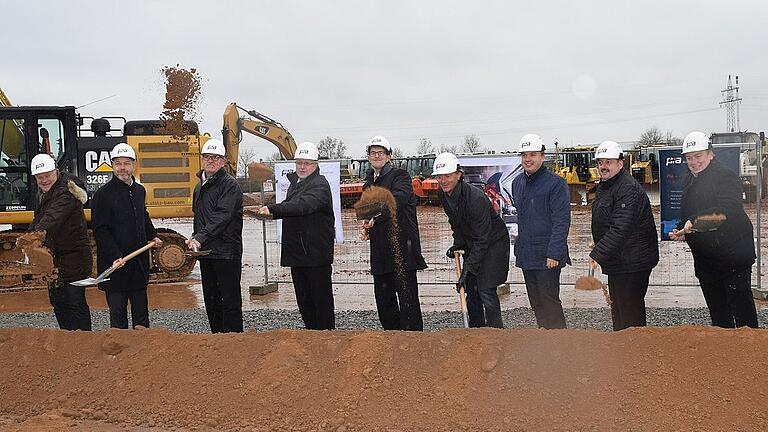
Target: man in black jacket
(218, 227)
(481, 233)
(59, 212)
(723, 257)
(121, 224)
(397, 295)
(624, 232)
(308, 236)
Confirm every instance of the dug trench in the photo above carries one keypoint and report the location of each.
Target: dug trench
(683, 378)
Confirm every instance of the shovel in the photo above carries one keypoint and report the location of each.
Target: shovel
(103, 277)
(708, 222)
(462, 297)
(196, 253)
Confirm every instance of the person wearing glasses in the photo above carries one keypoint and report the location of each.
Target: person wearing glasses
(394, 274)
(308, 236)
(218, 227)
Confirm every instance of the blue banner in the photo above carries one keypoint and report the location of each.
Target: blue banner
(673, 171)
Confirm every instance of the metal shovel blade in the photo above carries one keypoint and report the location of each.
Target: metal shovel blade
(196, 254)
(103, 277)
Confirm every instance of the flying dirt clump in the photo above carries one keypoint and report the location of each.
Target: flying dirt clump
(39, 256)
(182, 99)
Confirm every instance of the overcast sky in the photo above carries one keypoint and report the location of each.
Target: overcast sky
(579, 72)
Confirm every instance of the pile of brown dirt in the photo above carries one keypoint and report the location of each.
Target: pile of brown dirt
(455, 380)
(182, 99)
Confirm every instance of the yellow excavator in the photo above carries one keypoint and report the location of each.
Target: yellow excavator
(261, 126)
(577, 166)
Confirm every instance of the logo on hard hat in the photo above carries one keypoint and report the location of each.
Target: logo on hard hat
(40, 165)
(602, 150)
(440, 165)
(690, 144)
(375, 140)
(527, 143)
(303, 151)
(122, 151)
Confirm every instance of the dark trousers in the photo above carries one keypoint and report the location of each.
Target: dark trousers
(118, 308)
(69, 306)
(399, 308)
(543, 287)
(483, 305)
(221, 293)
(729, 298)
(627, 292)
(314, 296)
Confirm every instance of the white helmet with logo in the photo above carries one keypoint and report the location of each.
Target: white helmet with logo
(379, 141)
(307, 151)
(42, 163)
(445, 163)
(530, 143)
(122, 150)
(609, 150)
(213, 146)
(696, 141)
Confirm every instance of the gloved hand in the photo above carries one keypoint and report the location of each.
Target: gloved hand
(452, 249)
(464, 279)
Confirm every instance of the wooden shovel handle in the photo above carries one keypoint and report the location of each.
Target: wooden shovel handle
(138, 251)
(457, 257)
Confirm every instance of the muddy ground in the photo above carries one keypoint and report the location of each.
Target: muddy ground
(683, 378)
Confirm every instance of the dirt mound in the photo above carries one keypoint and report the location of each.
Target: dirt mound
(182, 99)
(533, 380)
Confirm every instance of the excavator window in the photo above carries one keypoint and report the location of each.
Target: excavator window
(51, 133)
(13, 164)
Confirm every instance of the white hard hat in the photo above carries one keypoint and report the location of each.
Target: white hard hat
(445, 163)
(213, 146)
(531, 142)
(379, 141)
(696, 141)
(307, 151)
(122, 150)
(42, 163)
(609, 150)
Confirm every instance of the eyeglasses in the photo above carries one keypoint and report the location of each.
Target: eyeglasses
(210, 157)
(376, 153)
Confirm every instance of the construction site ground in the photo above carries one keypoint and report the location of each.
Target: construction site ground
(671, 378)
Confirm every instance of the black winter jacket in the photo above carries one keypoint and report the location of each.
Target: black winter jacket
(121, 224)
(308, 222)
(479, 231)
(59, 212)
(623, 227)
(731, 248)
(398, 182)
(218, 223)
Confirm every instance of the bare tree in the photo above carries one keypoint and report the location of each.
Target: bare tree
(651, 136)
(471, 144)
(397, 153)
(673, 140)
(332, 148)
(245, 156)
(425, 146)
(444, 148)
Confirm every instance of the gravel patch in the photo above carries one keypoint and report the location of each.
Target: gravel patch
(195, 321)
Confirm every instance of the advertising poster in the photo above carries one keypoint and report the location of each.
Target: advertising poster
(494, 174)
(330, 170)
(673, 171)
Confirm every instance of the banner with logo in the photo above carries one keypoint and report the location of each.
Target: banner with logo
(331, 170)
(494, 174)
(673, 171)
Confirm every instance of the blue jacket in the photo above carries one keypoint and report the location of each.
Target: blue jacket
(543, 219)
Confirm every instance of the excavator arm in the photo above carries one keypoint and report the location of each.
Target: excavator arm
(256, 124)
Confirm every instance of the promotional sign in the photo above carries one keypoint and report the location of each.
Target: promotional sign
(330, 170)
(494, 174)
(673, 170)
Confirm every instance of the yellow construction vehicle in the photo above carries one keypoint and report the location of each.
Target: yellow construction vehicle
(166, 166)
(577, 166)
(645, 166)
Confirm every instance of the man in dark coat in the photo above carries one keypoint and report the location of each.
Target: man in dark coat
(481, 233)
(625, 237)
(543, 218)
(121, 224)
(218, 227)
(59, 212)
(397, 295)
(308, 237)
(723, 257)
